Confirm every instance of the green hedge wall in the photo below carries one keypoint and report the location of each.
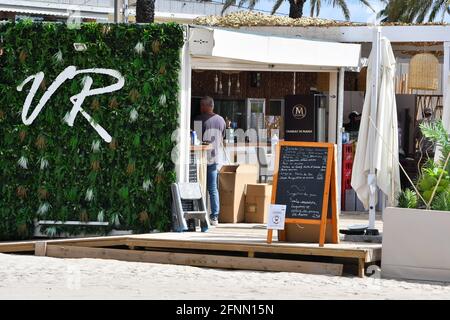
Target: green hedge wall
(51, 171)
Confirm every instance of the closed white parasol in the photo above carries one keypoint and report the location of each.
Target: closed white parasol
(376, 159)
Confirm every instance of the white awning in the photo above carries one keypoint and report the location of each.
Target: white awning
(249, 51)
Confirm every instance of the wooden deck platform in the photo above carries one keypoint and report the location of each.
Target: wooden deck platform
(228, 246)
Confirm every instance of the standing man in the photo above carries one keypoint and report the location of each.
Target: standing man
(352, 127)
(213, 131)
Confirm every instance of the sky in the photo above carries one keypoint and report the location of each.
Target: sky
(358, 11)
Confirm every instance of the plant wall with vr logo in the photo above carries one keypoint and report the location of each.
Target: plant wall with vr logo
(86, 119)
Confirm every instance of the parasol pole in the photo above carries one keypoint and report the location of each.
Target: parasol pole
(372, 180)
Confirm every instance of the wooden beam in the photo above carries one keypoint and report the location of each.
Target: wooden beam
(11, 247)
(198, 260)
(361, 268)
(29, 246)
(369, 254)
(243, 247)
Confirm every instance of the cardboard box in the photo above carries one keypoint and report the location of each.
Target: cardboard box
(257, 201)
(232, 181)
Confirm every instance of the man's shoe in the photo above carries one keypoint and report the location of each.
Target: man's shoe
(214, 221)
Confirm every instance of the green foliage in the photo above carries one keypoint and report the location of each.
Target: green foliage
(435, 132)
(407, 199)
(441, 202)
(62, 176)
(433, 183)
(429, 179)
(428, 182)
(419, 11)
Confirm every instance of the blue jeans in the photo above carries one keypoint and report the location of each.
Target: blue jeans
(211, 182)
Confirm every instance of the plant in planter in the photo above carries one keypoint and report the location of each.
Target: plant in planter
(416, 234)
(432, 189)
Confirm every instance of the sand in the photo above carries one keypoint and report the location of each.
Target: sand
(30, 277)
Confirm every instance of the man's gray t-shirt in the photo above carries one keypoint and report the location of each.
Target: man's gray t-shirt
(213, 131)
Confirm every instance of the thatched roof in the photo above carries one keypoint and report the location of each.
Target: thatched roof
(257, 19)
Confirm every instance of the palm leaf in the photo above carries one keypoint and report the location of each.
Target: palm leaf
(407, 199)
(441, 202)
(343, 5)
(410, 11)
(229, 3)
(276, 6)
(315, 6)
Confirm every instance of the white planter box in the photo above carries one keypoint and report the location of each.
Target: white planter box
(416, 244)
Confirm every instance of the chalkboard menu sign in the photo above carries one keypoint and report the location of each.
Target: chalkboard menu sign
(305, 181)
(301, 181)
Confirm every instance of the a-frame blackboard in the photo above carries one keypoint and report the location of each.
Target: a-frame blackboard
(305, 181)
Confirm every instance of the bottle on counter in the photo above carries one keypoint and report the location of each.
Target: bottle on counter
(193, 137)
(274, 141)
(228, 123)
(229, 136)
